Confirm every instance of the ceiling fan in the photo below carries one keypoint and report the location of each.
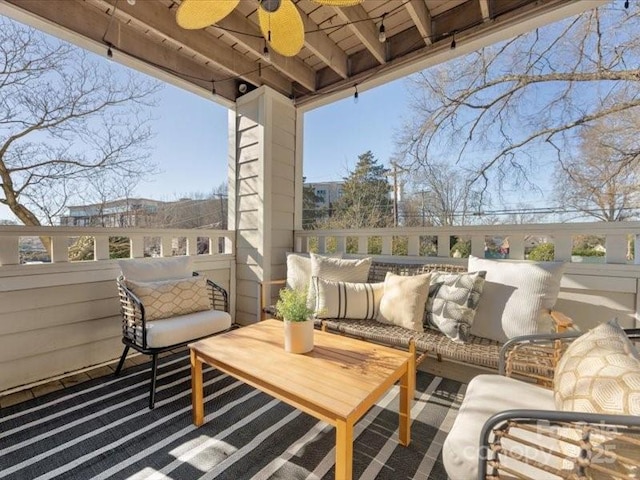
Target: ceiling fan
(280, 21)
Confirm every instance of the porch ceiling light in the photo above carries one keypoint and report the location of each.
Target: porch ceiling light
(280, 21)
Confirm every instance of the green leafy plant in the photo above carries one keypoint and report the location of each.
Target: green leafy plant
(292, 305)
(543, 252)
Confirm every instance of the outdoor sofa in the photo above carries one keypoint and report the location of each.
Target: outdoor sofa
(475, 350)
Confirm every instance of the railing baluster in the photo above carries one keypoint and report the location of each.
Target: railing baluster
(166, 249)
(477, 245)
(136, 243)
(9, 250)
(387, 244)
(516, 247)
(59, 249)
(363, 244)
(101, 247)
(413, 247)
(444, 249)
(322, 244)
(563, 244)
(192, 245)
(616, 245)
(341, 244)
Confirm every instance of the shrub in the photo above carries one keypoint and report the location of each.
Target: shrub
(587, 252)
(543, 252)
(462, 247)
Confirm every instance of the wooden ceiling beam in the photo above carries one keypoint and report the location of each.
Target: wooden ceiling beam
(421, 16)
(484, 8)
(364, 28)
(319, 43)
(294, 68)
(154, 16)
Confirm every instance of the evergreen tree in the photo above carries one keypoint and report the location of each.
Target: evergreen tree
(366, 197)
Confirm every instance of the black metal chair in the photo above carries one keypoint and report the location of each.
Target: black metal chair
(135, 327)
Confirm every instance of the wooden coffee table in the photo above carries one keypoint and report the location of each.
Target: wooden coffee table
(337, 382)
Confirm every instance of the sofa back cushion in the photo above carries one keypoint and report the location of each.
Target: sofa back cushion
(155, 269)
(515, 298)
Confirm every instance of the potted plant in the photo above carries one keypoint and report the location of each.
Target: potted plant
(298, 323)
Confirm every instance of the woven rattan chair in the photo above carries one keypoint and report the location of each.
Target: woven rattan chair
(538, 441)
(176, 331)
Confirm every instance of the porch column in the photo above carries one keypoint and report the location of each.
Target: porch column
(265, 191)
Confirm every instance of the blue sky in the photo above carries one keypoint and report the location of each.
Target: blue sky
(191, 137)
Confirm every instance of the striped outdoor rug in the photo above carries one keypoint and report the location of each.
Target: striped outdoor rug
(103, 429)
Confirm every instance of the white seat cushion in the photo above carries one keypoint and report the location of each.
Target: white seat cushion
(487, 395)
(171, 331)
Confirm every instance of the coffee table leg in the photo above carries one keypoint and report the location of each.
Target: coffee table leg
(344, 450)
(406, 395)
(197, 402)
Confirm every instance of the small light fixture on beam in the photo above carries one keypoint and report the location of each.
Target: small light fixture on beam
(355, 95)
(453, 41)
(266, 54)
(626, 4)
(109, 51)
(382, 34)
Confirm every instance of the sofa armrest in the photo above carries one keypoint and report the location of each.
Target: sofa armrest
(561, 322)
(265, 295)
(559, 443)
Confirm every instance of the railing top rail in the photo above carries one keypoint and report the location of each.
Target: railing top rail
(20, 230)
(541, 228)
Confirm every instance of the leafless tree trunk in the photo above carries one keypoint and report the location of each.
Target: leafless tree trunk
(509, 109)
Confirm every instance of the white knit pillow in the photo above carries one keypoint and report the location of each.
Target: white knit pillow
(347, 300)
(404, 300)
(336, 269)
(515, 298)
(299, 269)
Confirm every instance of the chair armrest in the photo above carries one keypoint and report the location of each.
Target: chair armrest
(534, 356)
(265, 294)
(218, 295)
(133, 318)
(591, 442)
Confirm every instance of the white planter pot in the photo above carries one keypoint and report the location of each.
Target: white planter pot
(298, 336)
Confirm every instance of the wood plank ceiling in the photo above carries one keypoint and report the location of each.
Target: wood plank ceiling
(342, 47)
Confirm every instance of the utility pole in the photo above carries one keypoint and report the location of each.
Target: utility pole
(394, 173)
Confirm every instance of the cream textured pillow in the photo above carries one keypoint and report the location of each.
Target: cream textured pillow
(404, 300)
(515, 298)
(170, 298)
(338, 270)
(347, 300)
(299, 269)
(452, 303)
(599, 373)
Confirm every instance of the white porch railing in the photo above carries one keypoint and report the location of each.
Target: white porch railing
(616, 238)
(63, 315)
(591, 292)
(220, 241)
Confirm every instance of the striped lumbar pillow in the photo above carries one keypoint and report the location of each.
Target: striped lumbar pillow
(347, 300)
(338, 270)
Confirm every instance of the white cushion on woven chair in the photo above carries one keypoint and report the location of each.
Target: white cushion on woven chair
(515, 298)
(487, 395)
(175, 330)
(154, 269)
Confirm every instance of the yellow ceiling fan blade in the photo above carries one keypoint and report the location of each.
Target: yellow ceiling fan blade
(282, 26)
(339, 3)
(194, 14)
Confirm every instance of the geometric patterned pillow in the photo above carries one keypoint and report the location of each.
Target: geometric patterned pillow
(599, 373)
(170, 298)
(452, 303)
